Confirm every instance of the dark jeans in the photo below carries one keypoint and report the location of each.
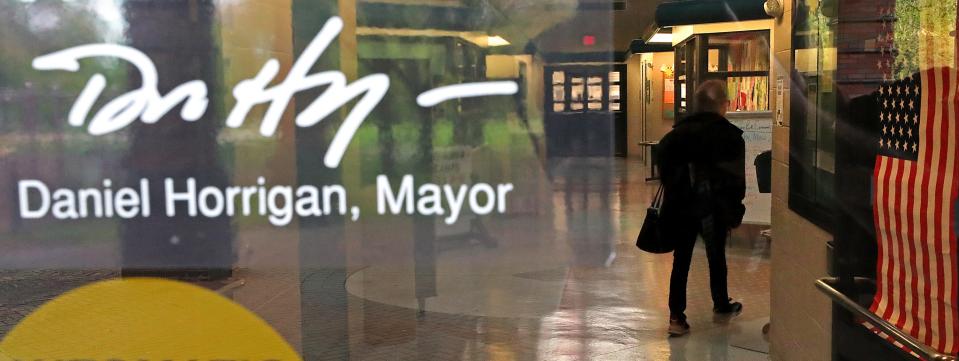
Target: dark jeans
(714, 236)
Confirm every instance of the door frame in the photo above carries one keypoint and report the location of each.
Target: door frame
(566, 137)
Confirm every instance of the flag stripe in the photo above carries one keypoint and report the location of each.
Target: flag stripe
(937, 135)
(885, 262)
(925, 168)
(909, 311)
(934, 260)
(941, 159)
(882, 265)
(949, 282)
(891, 340)
(917, 306)
(899, 315)
(892, 313)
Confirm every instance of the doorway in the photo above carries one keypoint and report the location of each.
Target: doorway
(585, 110)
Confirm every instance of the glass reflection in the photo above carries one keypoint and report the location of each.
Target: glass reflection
(496, 286)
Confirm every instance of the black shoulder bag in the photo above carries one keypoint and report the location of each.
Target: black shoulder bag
(650, 237)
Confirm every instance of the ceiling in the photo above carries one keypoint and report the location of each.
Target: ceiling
(550, 26)
(612, 29)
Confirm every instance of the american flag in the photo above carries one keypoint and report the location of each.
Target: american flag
(916, 177)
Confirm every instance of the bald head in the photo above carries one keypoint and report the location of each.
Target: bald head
(711, 97)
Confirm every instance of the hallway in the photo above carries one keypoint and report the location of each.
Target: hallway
(584, 293)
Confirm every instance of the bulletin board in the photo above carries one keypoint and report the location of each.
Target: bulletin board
(758, 134)
(669, 97)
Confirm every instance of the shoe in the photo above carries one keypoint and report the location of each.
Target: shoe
(678, 326)
(729, 309)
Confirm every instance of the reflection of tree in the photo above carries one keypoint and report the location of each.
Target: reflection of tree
(34, 104)
(907, 36)
(924, 25)
(32, 29)
(813, 26)
(38, 101)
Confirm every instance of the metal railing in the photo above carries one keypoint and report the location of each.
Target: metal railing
(826, 285)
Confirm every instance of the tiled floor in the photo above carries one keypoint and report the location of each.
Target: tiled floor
(574, 289)
(22, 291)
(561, 282)
(614, 313)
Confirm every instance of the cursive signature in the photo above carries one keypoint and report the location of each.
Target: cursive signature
(148, 105)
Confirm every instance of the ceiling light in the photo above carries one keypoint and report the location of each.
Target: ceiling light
(496, 41)
(661, 38)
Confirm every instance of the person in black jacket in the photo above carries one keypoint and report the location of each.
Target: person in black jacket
(702, 163)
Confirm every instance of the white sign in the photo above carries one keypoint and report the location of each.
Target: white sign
(780, 105)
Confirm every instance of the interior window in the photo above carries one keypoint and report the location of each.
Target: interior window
(813, 109)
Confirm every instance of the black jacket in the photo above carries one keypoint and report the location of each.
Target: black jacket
(703, 148)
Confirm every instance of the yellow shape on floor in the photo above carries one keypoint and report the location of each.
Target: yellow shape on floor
(143, 319)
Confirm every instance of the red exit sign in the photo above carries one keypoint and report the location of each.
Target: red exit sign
(589, 40)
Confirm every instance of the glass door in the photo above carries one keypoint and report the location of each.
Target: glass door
(685, 75)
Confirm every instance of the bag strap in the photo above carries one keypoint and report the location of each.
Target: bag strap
(658, 198)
